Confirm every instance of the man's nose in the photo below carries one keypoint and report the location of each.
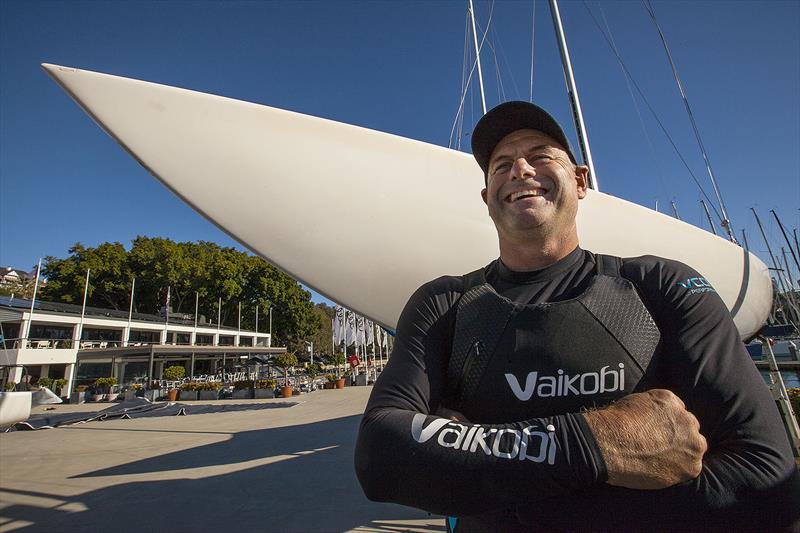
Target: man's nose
(521, 169)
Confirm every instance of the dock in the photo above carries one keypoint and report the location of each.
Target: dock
(250, 468)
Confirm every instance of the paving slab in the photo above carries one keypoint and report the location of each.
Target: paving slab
(253, 468)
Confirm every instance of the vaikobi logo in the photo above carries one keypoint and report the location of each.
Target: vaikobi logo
(606, 380)
(696, 284)
(527, 444)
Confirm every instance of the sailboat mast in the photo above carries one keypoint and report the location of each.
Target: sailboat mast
(477, 55)
(786, 238)
(572, 90)
(710, 220)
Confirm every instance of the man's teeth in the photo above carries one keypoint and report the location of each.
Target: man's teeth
(525, 194)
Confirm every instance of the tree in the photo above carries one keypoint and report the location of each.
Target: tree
(286, 361)
(109, 279)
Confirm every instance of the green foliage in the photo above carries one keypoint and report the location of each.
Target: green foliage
(243, 384)
(285, 361)
(186, 268)
(105, 384)
(191, 386)
(266, 384)
(45, 382)
(313, 370)
(330, 377)
(10, 386)
(60, 383)
(174, 373)
(81, 388)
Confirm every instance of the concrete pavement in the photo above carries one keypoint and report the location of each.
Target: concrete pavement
(254, 469)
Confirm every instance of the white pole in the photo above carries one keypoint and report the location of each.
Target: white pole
(166, 318)
(33, 300)
(256, 323)
(239, 324)
(572, 89)
(130, 310)
(196, 310)
(219, 316)
(83, 308)
(477, 55)
(270, 324)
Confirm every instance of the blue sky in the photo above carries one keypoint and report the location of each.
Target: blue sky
(397, 67)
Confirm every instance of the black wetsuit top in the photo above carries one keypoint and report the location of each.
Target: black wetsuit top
(555, 477)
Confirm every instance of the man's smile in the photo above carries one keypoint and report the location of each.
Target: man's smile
(527, 192)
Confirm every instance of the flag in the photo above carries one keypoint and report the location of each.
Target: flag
(361, 333)
(338, 325)
(378, 331)
(385, 339)
(350, 329)
(370, 332)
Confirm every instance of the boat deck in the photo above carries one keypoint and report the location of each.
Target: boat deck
(255, 469)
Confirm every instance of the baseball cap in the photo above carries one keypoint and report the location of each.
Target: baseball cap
(509, 117)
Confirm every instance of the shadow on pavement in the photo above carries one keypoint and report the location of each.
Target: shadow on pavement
(313, 488)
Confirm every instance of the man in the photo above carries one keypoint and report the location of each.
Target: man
(496, 405)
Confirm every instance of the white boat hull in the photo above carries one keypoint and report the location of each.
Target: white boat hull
(364, 217)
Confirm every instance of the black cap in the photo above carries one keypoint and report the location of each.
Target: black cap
(507, 118)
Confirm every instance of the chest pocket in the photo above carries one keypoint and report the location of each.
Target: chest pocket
(511, 362)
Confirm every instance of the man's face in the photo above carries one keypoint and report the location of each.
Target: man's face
(533, 186)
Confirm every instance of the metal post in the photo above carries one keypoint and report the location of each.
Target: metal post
(789, 244)
(782, 397)
(83, 308)
(572, 90)
(191, 368)
(33, 300)
(270, 325)
(674, 209)
(130, 312)
(477, 55)
(196, 310)
(710, 220)
(150, 371)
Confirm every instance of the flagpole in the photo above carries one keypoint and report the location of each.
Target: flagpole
(83, 308)
(33, 300)
(166, 317)
(196, 310)
(219, 317)
(130, 311)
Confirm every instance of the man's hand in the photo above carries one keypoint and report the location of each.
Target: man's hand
(648, 440)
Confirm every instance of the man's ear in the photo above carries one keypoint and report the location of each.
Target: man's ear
(483, 195)
(581, 180)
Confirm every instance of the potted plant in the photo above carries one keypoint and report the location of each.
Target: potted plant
(174, 373)
(209, 390)
(189, 391)
(103, 387)
(243, 389)
(265, 388)
(330, 382)
(10, 386)
(286, 361)
(79, 394)
(338, 360)
(45, 382)
(59, 386)
(133, 391)
(312, 371)
(154, 392)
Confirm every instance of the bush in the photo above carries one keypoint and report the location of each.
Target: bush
(191, 386)
(136, 386)
(60, 383)
(266, 384)
(794, 397)
(330, 377)
(45, 382)
(174, 373)
(10, 386)
(210, 385)
(243, 384)
(105, 384)
(81, 388)
(313, 370)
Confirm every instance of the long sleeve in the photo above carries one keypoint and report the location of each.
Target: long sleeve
(406, 455)
(749, 480)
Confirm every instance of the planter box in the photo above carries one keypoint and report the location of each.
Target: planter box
(330, 385)
(153, 394)
(264, 393)
(187, 395)
(77, 397)
(208, 394)
(242, 394)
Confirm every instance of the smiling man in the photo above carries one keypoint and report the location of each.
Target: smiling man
(556, 388)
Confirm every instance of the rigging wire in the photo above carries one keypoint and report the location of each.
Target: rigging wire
(458, 126)
(533, 43)
(469, 79)
(647, 137)
(655, 116)
(726, 223)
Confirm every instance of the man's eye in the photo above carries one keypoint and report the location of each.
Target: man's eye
(540, 157)
(501, 167)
